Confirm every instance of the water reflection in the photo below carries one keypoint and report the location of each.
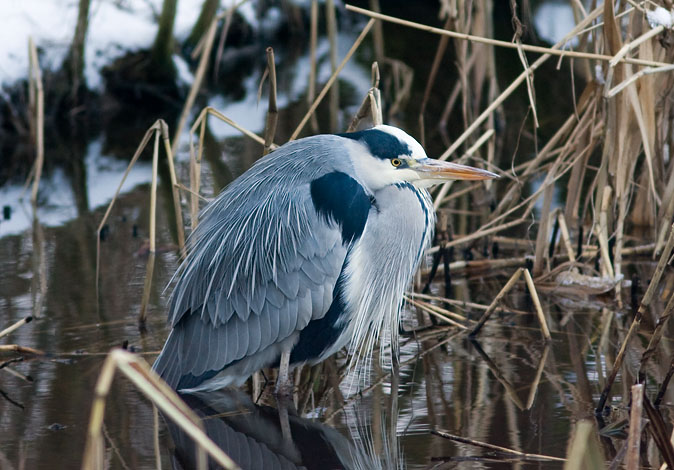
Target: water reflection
(275, 437)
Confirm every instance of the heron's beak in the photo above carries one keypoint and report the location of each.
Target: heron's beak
(430, 168)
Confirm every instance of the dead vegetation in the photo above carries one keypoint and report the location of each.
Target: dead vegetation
(611, 157)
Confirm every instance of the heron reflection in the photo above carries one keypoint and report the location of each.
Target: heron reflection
(264, 437)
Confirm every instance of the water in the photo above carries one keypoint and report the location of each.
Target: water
(508, 388)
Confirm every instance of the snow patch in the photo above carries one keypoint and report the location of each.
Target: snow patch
(660, 17)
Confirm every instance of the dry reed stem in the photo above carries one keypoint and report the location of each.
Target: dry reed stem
(364, 110)
(150, 384)
(645, 141)
(174, 188)
(332, 79)
(634, 436)
(514, 85)
(645, 302)
(375, 101)
(195, 156)
(505, 450)
(147, 289)
(205, 46)
(566, 238)
(195, 174)
(660, 325)
(143, 143)
(155, 437)
(602, 234)
(214, 112)
(462, 303)
(504, 290)
(584, 451)
(196, 84)
(537, 304)
(543, 235)
(20, 349)
(438, 315)
(626, 50)
(484, 231)
(15, 326)
(35, 77)
(371, 104)
(633, 78)
(439, 310)
(189, 191)
(272, 112)
(153, 193)
(530, 200)
(537, 379)
(659, 431)
(531, 93)
(509, 45)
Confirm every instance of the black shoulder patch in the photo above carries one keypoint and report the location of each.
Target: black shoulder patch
(381, 144)
(340, 198)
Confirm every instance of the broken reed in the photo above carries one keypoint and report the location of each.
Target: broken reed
(138, 372)
(616, 119)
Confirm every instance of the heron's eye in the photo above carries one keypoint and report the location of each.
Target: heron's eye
(396, 162)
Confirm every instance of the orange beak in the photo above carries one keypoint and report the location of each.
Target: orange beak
(430, 168)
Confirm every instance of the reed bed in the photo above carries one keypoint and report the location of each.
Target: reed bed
(611, 155)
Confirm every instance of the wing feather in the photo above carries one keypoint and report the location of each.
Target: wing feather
(266, 255)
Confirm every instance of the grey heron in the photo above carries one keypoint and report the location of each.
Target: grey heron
(308, 251)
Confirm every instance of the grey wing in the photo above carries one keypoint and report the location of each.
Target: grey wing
(261, 268)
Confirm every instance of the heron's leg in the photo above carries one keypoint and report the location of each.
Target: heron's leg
(283, 385)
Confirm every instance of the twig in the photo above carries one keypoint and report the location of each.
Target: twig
(16, 325)
(484, 445)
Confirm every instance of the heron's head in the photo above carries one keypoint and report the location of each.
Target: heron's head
(386, 155)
